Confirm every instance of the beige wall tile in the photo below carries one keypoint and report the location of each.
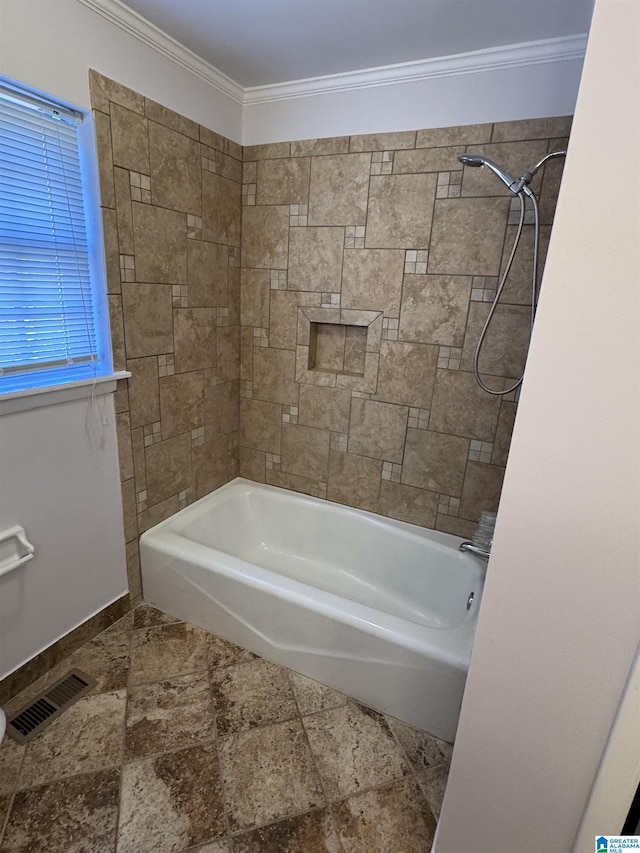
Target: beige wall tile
(254, 298)
(377, 429)
(305, 451)
(283, 181)
(130, 140)
(107, 90)
(148, 319)
(181, 403)
(229, 167)
(210, 467)
(467, 236)
(460, 407)
(134, 576)
(295, 482)
(502, 440)
(121, 396)
(406, 503)
(468, 134)
(221, 143)
(434, 309)
(517, 288)
(252, 464)
(176, 174)
(339, 189)
(427, 160)
(372, 280)
(269, 151)
(207, 274)
(157, 513)
(400, 211)
(325, 408)
(161, 244)
(536, 128)
(274, 376)
(354, 480)
(455, 526)
(504, 350)
(383, 141)
(168, 468)
(435, 461)
(265, 237)
(482, 486)
(123, 211)
(144, 397)
(284, 312)
(406, 373)
(329, 145)
(221, 209)
(260, 425)
(125, 455)
(221, 410)
(195, 338)
(105, 160)
(169, 118)
(228, 353)
(116, 321)
(111, 250)
(315, 259)
(129, 510)
(139, 459)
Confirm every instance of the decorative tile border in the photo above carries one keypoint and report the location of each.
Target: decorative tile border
(415, 262)
(249, 194)
(449, 184)
(272, 461)
(298, 214)
(448, 505)
(381, 163)
(391, 471)
(180, 295)
(194, 227)
(390, 326)
(330, 300)
(354, 237)
(152, 433)
(480, 451)
(449, 358)
(289, 414)
(483, 288)
(278, 280)
(127, 268)
(260, 337)
(418, 418)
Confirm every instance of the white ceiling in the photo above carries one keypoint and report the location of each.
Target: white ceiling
(261, 42)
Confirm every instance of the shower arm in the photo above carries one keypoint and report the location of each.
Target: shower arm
(523, 182)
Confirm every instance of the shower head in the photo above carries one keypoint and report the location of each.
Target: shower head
(479, 160)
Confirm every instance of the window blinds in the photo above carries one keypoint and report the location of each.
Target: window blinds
(47, 312)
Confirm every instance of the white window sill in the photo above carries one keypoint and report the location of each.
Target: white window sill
(36, 398)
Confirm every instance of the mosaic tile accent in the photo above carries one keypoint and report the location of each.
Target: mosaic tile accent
(180, 295)
(127, 268)
(298, 214)
(278, 280)
(480, 451)
(260, 337)
(514, 213)
(319, 490)
(246, 388)
(449, 184)
(390, 327)
(289, 414)
(391, 471)
(329, 300)
(197, 437)
(166, 365)
(449, 358)
(418, 418)
(382, 162)
(448, 505)
(415, 262)
(141, 500)
(152, 433)
(222, 317)
(194, 227)
(272, 461)
(140, 187)
(483, 288)
(184, 498)
(354, 237)
(339, 439)
(249, 193)
(234, 256)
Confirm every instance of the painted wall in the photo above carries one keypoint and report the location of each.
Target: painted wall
(51, 44)
(67, 496)
(492, 95)
(560, 620)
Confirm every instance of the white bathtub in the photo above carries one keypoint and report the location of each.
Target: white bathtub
(373, 607)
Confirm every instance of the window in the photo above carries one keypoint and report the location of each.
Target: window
(53, 315)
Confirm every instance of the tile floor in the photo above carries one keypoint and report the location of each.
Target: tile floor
(188, 743)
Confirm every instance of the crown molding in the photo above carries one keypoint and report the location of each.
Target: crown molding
(490, 59)
(479, 61)
(138, 27)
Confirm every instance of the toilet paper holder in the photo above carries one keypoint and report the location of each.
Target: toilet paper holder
(15, 549)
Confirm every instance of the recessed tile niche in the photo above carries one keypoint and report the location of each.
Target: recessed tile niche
(339, 348)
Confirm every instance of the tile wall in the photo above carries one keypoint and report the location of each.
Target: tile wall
(333, 355)
(368, 267)
(171, 208)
